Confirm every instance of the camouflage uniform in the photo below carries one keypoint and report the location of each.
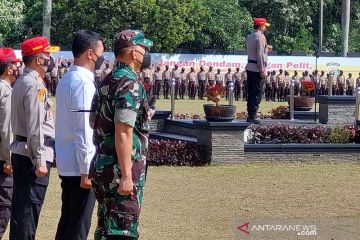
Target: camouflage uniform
(121, 97)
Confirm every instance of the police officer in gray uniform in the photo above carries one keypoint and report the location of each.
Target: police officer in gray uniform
(166, 82)
(8, 75)
(256, 68)
(33, 146)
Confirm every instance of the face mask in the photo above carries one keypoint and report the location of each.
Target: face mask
(99, 62)
(49, 64)
(146, 61)
(15, 73)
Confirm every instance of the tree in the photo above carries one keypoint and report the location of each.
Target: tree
(47, 18)
(11, 22)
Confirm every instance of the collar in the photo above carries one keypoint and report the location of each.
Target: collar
(127, 68)
(5, 82)
(31, 72)
(84, 71)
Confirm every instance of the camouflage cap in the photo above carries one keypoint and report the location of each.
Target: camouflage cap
(130, 38)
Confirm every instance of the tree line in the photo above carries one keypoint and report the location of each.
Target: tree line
(191, 24)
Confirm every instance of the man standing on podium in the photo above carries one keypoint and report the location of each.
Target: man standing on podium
(256, 46)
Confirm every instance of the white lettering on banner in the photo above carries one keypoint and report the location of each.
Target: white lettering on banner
(223, 62)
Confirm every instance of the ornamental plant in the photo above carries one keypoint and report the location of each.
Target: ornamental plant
(215, 93)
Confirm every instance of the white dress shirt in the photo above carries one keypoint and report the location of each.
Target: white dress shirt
(73, 139)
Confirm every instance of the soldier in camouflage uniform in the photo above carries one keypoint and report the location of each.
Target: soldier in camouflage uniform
(120, 121)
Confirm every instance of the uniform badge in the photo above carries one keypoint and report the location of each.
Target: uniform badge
(41, 94)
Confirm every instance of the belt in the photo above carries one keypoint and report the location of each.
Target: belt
(48, 141)
(252, 61)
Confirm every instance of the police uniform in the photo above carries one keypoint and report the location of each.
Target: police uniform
(191, 76)
(33, 146)
(183, 84)
(228, 80)
(201, 79)
(323, 90)
(146, 74)
(118, 215)
(358, 82)
(340, 85)
(296, 81)
(166, 81)
(54, 80)
(244, 85)
(210, 78)
(287, 82)
(268, 87)
(349, 86)
(237, 85)
(274, 86)
(157, 78)
(219, 79)
(175, 74)
(280, 87)
(257, 57)
(6, 181)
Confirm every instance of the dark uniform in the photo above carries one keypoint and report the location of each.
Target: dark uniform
(120, 98)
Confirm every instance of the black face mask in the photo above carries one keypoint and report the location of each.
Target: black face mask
(146, 60)
(49, 64)
(99, 62)
(15, 73)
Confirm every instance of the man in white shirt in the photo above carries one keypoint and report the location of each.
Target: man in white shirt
(74, 145)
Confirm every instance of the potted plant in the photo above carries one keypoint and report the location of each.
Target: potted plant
(304, 102)
(216, 112)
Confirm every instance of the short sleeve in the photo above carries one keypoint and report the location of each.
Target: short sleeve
(127, 102)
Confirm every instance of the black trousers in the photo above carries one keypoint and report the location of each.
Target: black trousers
(28, 197)
(237, 90)
(157, 88)
(201, 90)
(6, 192)
(254, 89)
(76, 210)
(192, 90)
(267, 92)
(166, 88)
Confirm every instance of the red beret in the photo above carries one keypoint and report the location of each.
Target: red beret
(7, 55)
(37, 45)
(260, 22)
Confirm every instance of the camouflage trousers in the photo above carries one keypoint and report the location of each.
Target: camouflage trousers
(118, 215)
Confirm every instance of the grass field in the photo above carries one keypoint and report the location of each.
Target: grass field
(207, 202)
(196, 106)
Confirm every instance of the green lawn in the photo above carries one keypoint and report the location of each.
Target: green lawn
(207, 202)
(196, 106)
